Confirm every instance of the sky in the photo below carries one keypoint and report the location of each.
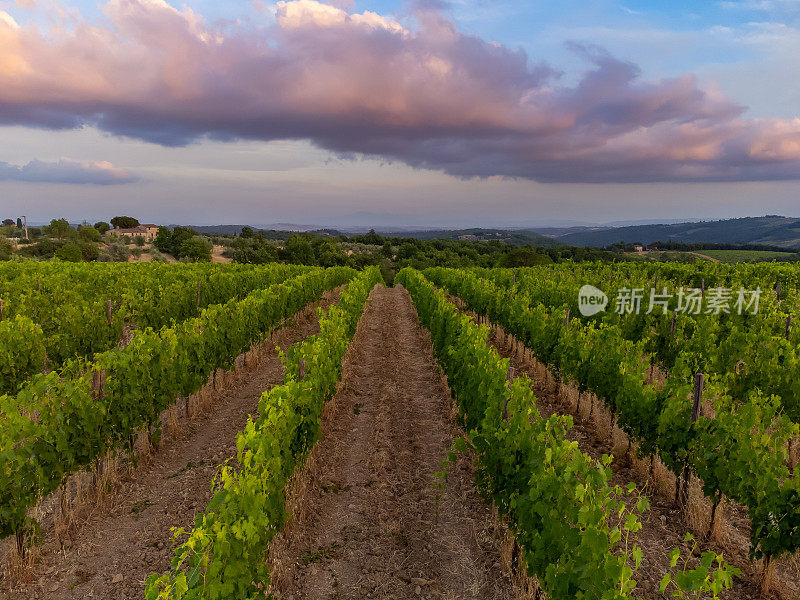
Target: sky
(392, 113)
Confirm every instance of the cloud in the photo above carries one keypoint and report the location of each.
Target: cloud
(7, 20)
(418, 92)
(763, 5)
(66, 171)
(629, 11)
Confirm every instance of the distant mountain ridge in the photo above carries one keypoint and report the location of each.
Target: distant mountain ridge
(768, 230)
(772, 230)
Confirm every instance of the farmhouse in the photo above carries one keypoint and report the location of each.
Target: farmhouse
(148, 231)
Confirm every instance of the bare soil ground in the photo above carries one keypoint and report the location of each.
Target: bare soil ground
(216, 255)
(118, 543)
(370, 521)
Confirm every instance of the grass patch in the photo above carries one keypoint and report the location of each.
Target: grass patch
(189, 465)
(319, 553)
(335, 488)
(140, 506)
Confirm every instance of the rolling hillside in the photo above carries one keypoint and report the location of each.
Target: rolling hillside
(769, 230)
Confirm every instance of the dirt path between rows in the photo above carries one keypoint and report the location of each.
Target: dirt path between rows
(706, 256)
(373, 527)
(110, 555)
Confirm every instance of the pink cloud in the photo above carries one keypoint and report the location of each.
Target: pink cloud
(362, 83)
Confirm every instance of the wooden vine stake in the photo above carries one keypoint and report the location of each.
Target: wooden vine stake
(63, 505)
(788, 320)
(1, 309)
(302, 368)
(766, 574)
(697, 397)
(672, 328)
(509, 380)
(778, 292)
(98, 385)
(21, 547)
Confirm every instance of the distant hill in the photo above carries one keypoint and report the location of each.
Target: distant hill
(215, 229)
(769, 230)
(515, 237)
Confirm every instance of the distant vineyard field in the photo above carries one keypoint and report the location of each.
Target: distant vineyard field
(735, 256)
